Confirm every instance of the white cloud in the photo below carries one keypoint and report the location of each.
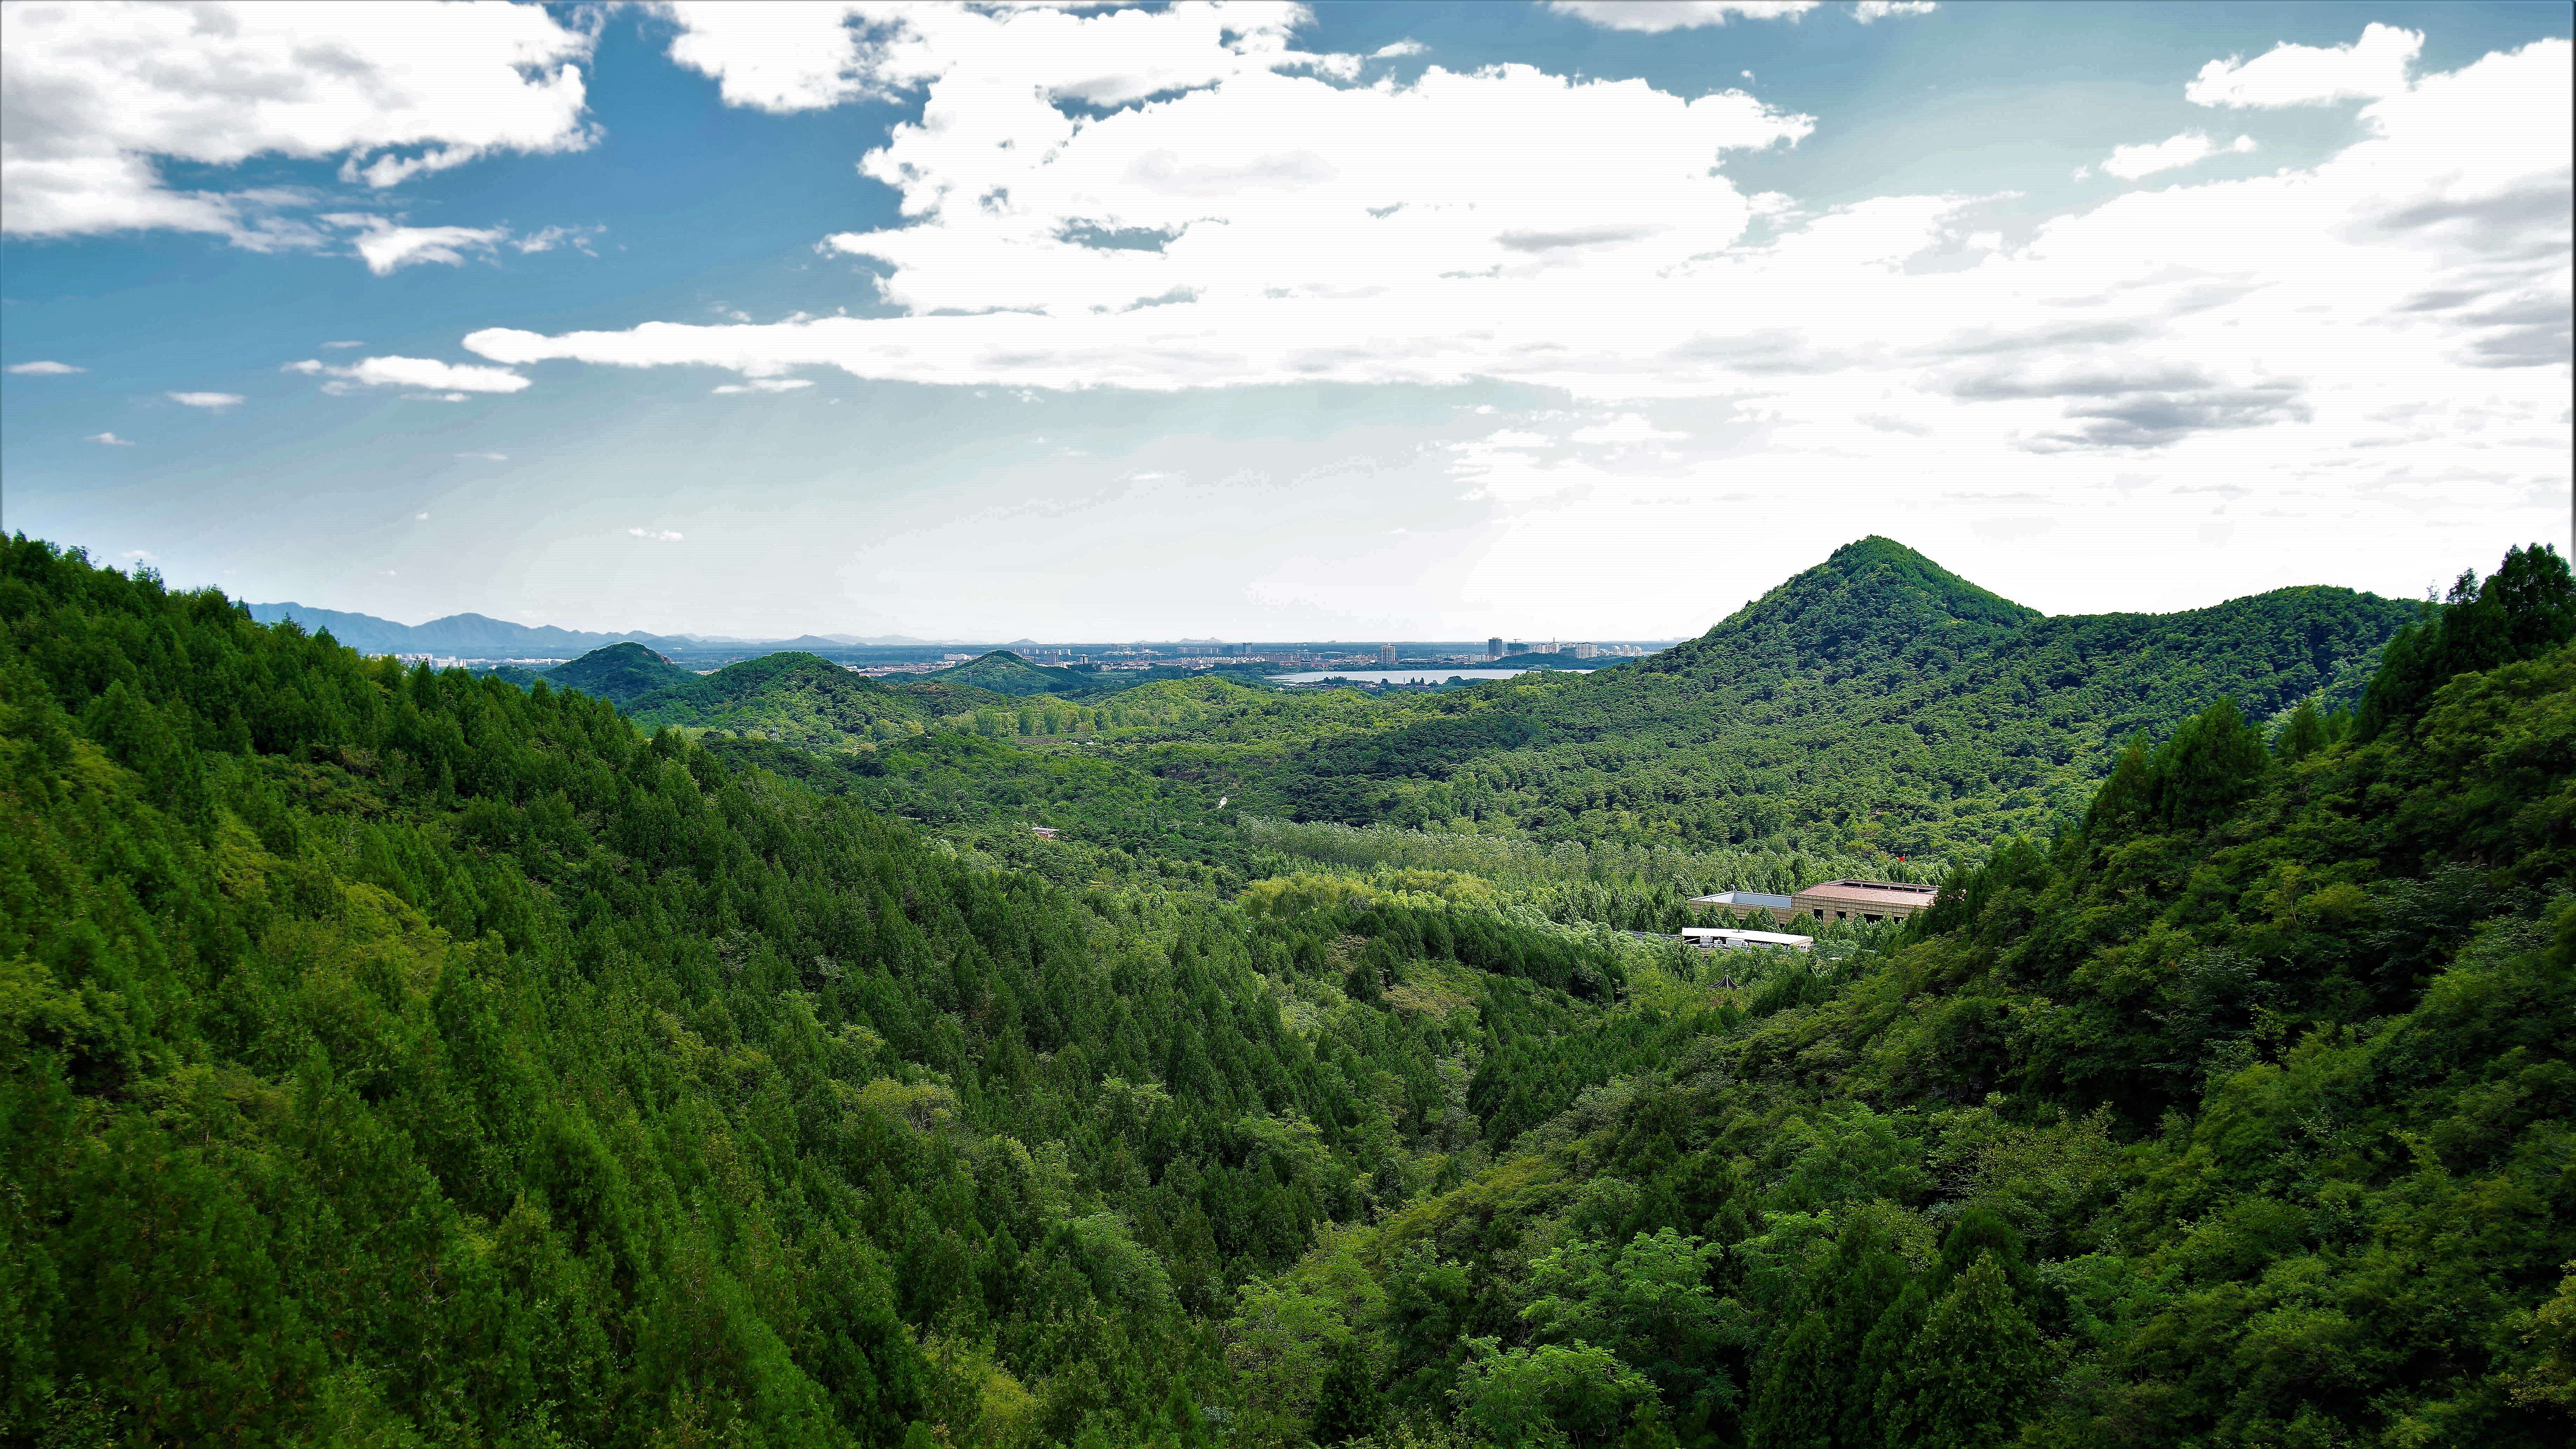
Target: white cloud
(45, 368)
(387, 247)
(1628, 428)
(420, 518)
(337, 345)
(214, 402)
(2308, 75)
(578, 238)
(111, 440)
(795, 57)
(1205, 215)
(1714, 377)
(2131, 162)
(765, 384)
(101, 94)
(486, 457)
(1869, 10)
(1399, 50)
(658, 535)
(1662, 15)
(441, 378)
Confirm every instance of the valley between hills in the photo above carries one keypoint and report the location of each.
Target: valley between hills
(626, 1055)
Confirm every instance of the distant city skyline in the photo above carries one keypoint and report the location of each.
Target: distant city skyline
(1575, 320)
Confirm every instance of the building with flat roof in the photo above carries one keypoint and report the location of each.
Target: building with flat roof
(1722, 938)
(1740, 901)
(1862, 900)
(1386, 656)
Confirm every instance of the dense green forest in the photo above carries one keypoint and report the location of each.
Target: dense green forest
(1875, 707)
(395, 1057)
(619, 673)
(1875, 704)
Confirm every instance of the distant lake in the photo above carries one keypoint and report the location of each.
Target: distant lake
(1404, 676)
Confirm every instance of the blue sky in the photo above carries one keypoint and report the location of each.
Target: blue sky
(1278, 322)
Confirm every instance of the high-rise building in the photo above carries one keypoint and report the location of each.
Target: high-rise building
(1587, 651)
(1494, 647)
(1386, 656)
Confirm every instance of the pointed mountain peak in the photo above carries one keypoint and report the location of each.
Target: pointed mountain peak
(619, 673)
(1873, 600)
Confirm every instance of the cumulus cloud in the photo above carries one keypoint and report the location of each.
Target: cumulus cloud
(45, 368)
(1271, 227)
(111, 440)
(2190, 147)
(101, 95)
(2310, 75)
(765, 384)
(658, 535)
(1662, 15)
(1399, 50)
(443, 381)
(1869, 10)
(213, 402)
(809, 56)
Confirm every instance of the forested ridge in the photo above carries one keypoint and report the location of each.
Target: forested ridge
(1876, 704)
(1875, 707)
(397, 1057)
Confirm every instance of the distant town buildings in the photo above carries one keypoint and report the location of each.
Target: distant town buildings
(1386, 656)
(1494, 647)
(1587, 651)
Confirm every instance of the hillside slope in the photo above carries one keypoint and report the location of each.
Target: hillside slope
(1004, 672)
(1876, 702)
(804, 700)
(2237, 1115)
(394, 1057)
(400, 1058)
(619, 673)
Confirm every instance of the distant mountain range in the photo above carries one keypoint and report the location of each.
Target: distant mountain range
(478, 636)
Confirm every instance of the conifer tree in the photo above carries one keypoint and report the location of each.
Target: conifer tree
(1974, 1368)
(1347, 1405)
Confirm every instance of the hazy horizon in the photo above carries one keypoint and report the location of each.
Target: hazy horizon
(1191, 636)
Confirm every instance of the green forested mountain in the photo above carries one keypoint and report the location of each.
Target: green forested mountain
(619, 673)
(803, 699)
(392, 1057)
(395, 1057)
(2237, 1114)
(1004, 672)
(1875, 703)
